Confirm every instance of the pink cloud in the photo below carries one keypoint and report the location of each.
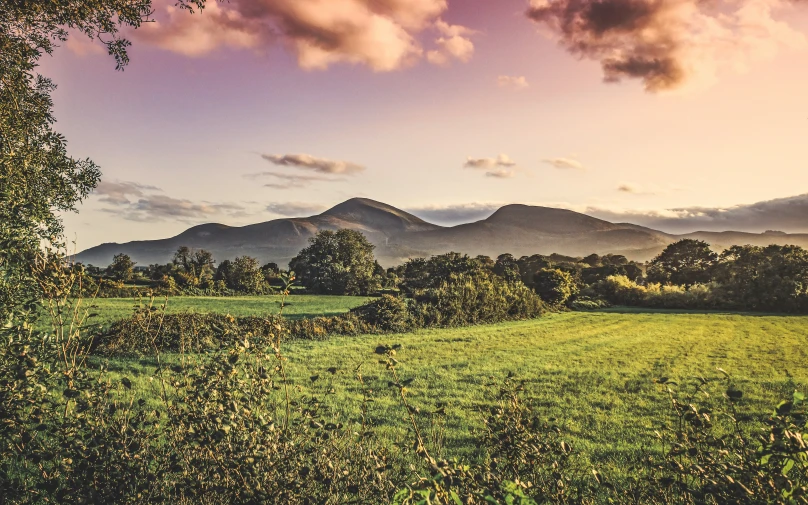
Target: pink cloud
(668, 43)
(380, 34)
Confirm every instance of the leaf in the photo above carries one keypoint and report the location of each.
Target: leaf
(787, 468)
(784, 408)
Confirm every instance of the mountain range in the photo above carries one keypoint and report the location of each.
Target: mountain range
(516, 229)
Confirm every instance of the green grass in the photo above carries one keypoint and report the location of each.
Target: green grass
(591, 371)
(108, 310)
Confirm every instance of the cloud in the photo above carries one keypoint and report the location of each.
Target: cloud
(295, 209)
(503, 160)
(320, 165)
(667, 43)
(158, 207)
(453, 44)
(513, 82)
(290, 181)
(450, 215)
(498, 168)
(119, 192)
(786, 214)
(381, 34)
(634, 189)
(501, 173)
(564, 163)
(137, 202)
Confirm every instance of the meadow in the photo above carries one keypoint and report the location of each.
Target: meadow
(591, 373)
(107, 310)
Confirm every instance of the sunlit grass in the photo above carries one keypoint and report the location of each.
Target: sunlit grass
(107, 310)
(592, 372)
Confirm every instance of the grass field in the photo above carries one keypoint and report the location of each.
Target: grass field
(593, 372)
(108, 310)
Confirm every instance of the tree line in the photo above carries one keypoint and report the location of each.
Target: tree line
(687, 274)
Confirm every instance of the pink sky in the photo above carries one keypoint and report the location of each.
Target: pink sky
(255, 109)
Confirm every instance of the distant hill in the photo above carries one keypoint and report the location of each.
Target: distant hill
(398, 235)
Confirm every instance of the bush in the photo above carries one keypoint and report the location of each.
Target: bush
(388, 313)
(586, 303)
(619, 290)
(465, 300)
(554, 286)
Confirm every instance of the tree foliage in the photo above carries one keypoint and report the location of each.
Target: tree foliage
(554, 286)
(683, 263)
(337, 263)
(122, 268)
(38, 178)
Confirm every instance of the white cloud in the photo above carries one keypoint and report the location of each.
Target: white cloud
(565, 163)
(513, 82)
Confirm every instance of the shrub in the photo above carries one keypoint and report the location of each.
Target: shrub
(620, 290)
(464, 300)
(554, 286)
(388, 313)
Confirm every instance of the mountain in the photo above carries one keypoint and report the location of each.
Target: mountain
(525, 230)
(516, 229)
(278, 240)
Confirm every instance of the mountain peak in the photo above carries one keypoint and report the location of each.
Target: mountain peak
(548, 220)
(377, 215)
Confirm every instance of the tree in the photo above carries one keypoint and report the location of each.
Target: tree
(122, 268)
(507, 267)
(242, 274)
(246, 275)
(592, 260)
(773, 278)
(419, 273)
(683, 263)
(38, 179)
(337, 263)
(554, 286)
(182, 258)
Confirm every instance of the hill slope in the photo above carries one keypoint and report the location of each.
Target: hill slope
(516, 229)
(278, 240)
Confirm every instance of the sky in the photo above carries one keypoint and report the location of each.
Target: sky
(681, 115)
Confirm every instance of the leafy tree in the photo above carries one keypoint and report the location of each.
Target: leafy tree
(554, 286)
(765, 278)
(122, 268)
(420, 273)
(243, 274)
(614, 260)
(246, 275)
(529, 265)
(337, 263)
(507, 267)
(38, 179)
(683, 263)
(592, 260)
(194, 267)
(485, 261)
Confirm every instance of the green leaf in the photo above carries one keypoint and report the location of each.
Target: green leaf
(788, 466)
